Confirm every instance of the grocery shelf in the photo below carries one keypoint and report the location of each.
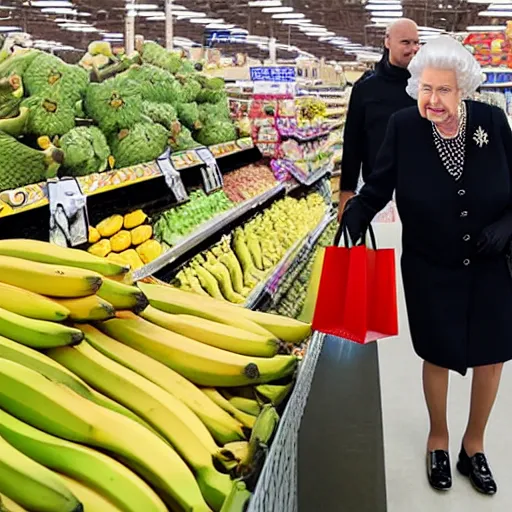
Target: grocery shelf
(303, 178)
(271, 283)
(205, 231)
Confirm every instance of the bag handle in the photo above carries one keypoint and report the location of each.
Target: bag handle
(343, 231)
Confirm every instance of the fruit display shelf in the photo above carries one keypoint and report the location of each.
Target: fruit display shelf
(207, 230)
(305, 178)
(271, 283)
(35, 196)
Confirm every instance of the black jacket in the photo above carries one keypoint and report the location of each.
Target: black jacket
(459, 302)
(373, 100)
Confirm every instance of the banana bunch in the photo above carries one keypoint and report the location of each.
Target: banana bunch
(311, 109)
(234, 267)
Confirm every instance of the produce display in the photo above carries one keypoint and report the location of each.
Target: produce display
(127, 240)
(231, 269)
(171, 226)
(131, 108)
(117, 397)
(248, 181)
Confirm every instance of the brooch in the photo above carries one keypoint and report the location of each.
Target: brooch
(480, 137)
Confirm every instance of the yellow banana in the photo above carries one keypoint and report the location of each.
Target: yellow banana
(60, 374)
(246, 419)
(8, 505)
(44, 252)
(37, 333)
(29, 304)
(173, 419)
(54, 280)
(59, 411)
(88, 309)
(90, 499)
(308, 309)
(32, 485)
(173, 300)
(100, 472)
(202, 364)
(123, 296)
(217, 335)
(222, 426)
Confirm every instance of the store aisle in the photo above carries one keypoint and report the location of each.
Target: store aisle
(405, 426)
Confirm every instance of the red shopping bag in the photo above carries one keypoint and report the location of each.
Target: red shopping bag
(357, 293)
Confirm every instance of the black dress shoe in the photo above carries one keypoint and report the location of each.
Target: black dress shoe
(477, 469)
(439, 471)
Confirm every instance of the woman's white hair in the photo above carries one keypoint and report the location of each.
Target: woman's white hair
(445, 52)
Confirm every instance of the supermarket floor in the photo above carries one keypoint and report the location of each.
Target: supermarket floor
(362, 440)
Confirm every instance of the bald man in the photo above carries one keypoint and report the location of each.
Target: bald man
(373, 100)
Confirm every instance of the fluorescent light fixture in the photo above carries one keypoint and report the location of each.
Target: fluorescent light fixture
(10, 29)
(496, 14)
(320, 34)
(290, 16)
(49, 3)
(383, 7)
(277, 9)
(382, 21)
(141, 7)
(265, 3)
(189, 14)
(151, 14)
(59, 10)
(295, 22)
(113, 35)
(240, 31)
(486, 28)
(387, 14)
(307, 28)
(220, 26)
(205, 21)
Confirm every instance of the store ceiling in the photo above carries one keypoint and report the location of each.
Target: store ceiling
(351, 19)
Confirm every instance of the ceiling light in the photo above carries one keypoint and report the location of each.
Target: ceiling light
(277, 9)
(10, 29)
(295, 22)
(205, 21)
(496, 14)
(59, 10)
(265, 3)
(486, 28)
(49, 3)
(382, 21)
(219, 26)
(141, 7)
(151, 14)
(290, 16)
(383, 7)
(114, 35)
(189, 14)
(387, 14)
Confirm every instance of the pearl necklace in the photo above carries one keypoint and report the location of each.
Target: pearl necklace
(452, 151)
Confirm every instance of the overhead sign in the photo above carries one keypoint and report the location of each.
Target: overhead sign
(213, 37)
(274, 74)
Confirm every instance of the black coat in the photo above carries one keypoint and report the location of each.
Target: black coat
(373, 100)
(459, 304)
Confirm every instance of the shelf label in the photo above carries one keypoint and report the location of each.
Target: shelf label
(172, 177)
(212, 177)
(69, 220)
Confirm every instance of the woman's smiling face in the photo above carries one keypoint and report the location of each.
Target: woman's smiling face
(438, 95)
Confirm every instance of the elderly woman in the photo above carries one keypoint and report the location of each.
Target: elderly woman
(450, 162)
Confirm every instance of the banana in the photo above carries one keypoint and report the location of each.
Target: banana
(273, 393)
(200, 363)
(59, 411)
(238, 499)
(242, 417)
(88, 309)
(44, 252)
(29, 304)
(91, 500)
(217, 335)
(173, 300)
(32, 485)
(100, 472)
(243, 404)
(236, 451)
(222, 426)
(173, 419)
(123, 296)
(47, 279)
(7, 505)
(54, 371)
(308, 309)
(37, 333)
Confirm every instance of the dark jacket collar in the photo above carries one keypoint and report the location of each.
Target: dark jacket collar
(389, 72)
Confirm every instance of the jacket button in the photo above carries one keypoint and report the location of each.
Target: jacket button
(466, 262)
(461, 192)
(466, 238)
(464, 214)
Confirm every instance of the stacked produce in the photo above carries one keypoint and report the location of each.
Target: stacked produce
(134, 108)
(231, 269)
(164, 401)
(310, 110)
(248, 181)
(179, 222)
(125, 240)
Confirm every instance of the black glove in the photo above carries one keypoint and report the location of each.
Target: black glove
(355, 220)
(495, 239)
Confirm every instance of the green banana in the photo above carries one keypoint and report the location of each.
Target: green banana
(8, 505)
(275, 394)
(173, 419)
(238, 499)
(54, 371)
(102, 473)
(32, 485)
(37, 333)
(242, 417)
(247, 405)
(122, 296)
(57, 410)
(222, 426)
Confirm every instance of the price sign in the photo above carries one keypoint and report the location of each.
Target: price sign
(69, 221)
(212, 177)
(172, 177)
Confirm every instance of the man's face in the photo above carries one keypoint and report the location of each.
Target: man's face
(403, 43)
